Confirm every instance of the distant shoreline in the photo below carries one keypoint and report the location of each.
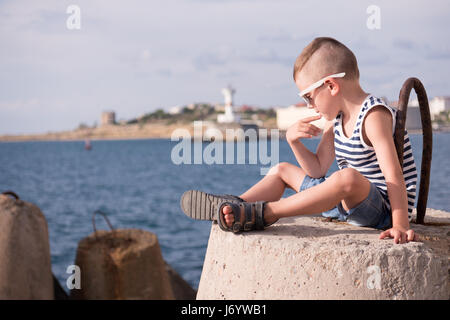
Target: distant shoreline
(153, 130)
(129, 132)
(111, 132)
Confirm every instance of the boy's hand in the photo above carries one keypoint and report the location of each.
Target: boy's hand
(303, 129)
(400, 235)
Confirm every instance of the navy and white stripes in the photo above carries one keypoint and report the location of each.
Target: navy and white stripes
(353, 152)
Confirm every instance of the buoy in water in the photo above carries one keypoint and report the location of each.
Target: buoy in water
(87, 144)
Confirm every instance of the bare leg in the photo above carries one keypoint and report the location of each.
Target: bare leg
(346, 185)
(272, 186)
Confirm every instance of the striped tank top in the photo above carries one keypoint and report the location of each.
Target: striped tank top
(354, 153)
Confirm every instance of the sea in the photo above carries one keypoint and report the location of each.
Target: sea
(138, 184)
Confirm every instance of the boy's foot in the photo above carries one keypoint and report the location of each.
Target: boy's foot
(231, 212)
(228, 215)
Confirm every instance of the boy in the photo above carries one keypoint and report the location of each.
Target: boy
(370, 189)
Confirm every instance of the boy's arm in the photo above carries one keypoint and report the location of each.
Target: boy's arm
(378, 129)
(316, 164)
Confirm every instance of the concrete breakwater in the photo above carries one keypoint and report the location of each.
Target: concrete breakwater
(307, 257)
(297, 258)
(116, 264)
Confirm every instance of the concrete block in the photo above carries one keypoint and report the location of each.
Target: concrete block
(307, 257)
(25, 263)
(122, 264)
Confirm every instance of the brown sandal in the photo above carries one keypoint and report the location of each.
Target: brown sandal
(248, 216)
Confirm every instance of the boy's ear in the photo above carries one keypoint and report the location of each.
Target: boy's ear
(333, 86)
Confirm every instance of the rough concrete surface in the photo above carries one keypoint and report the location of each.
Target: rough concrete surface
(121, 264)
(25, 263)
(307, 257)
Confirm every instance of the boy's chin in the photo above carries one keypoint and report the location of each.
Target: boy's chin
(329, 117)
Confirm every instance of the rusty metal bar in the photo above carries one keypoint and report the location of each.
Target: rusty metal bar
(104, 216)
(427, 139)
(11, 193)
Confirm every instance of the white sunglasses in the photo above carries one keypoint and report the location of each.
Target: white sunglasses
(316, 85)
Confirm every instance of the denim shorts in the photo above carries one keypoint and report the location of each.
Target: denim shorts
(373, 212)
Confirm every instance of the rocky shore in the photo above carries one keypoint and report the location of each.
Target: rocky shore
(110, 132)
(152, 130)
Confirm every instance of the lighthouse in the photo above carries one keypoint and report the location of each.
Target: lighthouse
(228, 116)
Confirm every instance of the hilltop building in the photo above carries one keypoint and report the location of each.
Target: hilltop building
(439, 104)
(413, 118)
(175, 110)
(108, 118)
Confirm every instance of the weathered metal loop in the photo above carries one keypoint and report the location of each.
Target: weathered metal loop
(427, 139)
(11, 193)
(104, 216)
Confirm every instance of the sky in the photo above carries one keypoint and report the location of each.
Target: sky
(134, 57)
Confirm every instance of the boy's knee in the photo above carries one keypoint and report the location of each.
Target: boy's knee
(349, 180)
(279, 168)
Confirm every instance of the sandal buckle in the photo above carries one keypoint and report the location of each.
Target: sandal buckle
(248, 226)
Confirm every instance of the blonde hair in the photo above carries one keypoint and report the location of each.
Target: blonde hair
(335, 57)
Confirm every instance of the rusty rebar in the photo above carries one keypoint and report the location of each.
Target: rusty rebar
(104, 216)
(427, 139)
(11, 193)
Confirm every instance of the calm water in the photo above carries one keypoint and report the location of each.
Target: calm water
(137, 184)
